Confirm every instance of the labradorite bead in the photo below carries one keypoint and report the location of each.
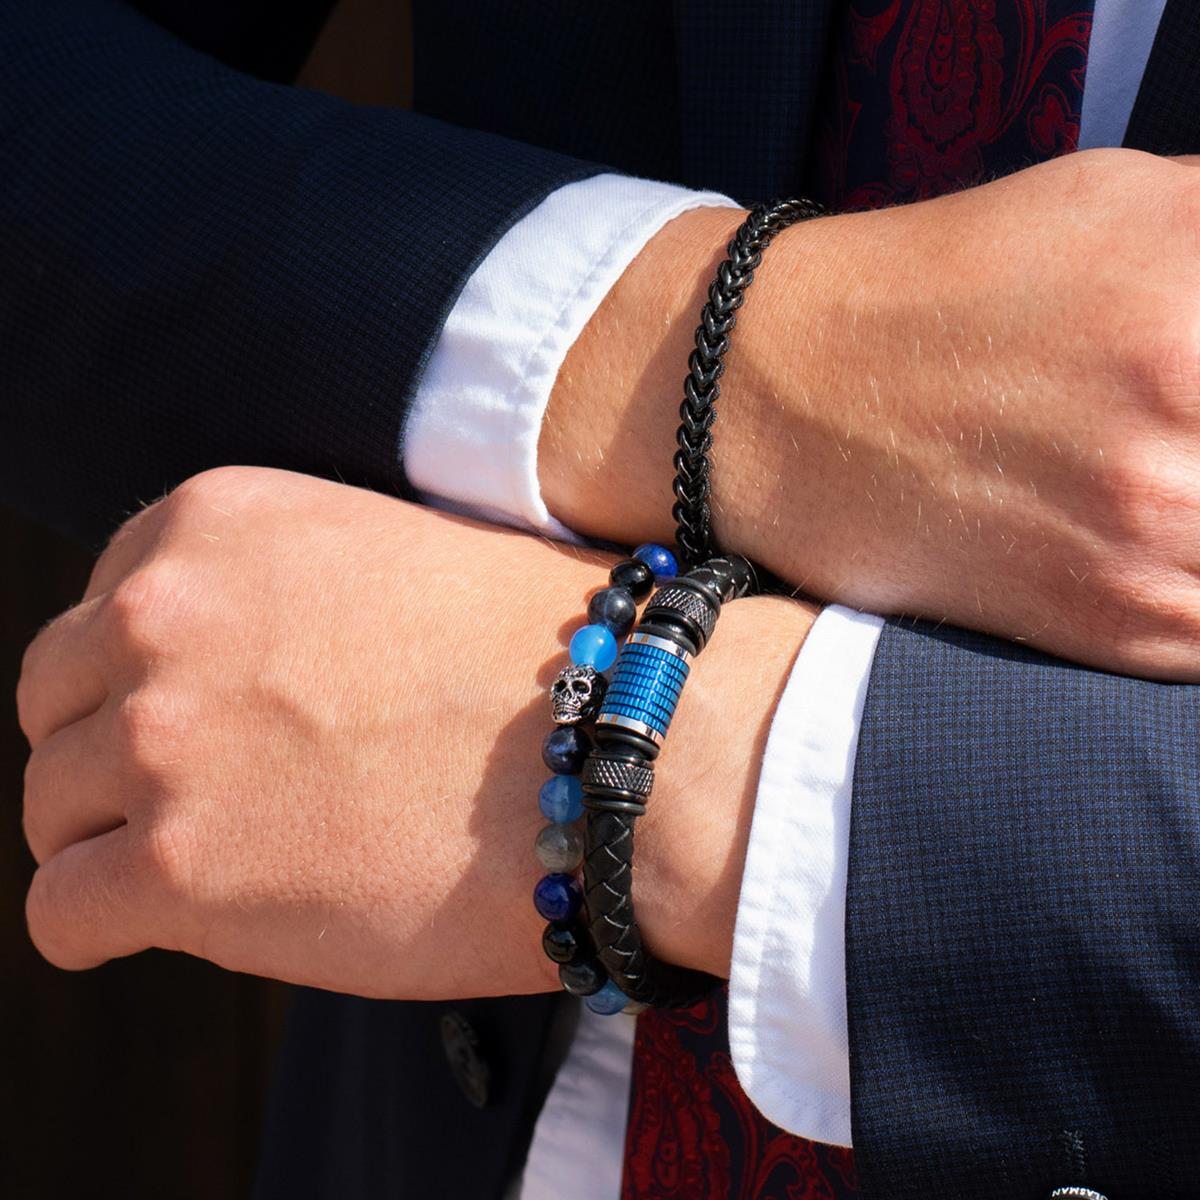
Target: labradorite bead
(565, 750)
(614, 608)
(583, 978)
(608, 1001)
(633, 575)
(561, 798)
(559, 847)
(557, 897)
(659, 559)
(593, 646)
(563, 944)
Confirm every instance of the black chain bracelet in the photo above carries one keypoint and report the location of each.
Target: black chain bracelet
(702, 385)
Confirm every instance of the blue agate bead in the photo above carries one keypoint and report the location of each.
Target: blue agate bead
(558, 897)
(659, 559)
(608, 1001)
(614, 608)
(593, 646)
(561, 799)
(565, 749)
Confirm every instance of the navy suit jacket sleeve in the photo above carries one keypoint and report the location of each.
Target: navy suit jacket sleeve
(200, 266)
(1023, 934)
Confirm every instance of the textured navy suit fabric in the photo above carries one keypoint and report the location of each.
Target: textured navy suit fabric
(200, 266)
(1035, 919)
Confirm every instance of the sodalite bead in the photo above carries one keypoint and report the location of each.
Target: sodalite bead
(557, 897)
(561, 798)
(584, 978)
(634, 575)
(565, 750)
(659, 559)
(593, 646)
(608, 1001)
(614, 608)
(559, 847)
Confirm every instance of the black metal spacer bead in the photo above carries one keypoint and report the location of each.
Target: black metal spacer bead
(687, 603)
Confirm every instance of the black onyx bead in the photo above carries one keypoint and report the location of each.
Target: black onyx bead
(563, 945)
(635, 576)
(583, 978)
(565, 750)
(614, 608)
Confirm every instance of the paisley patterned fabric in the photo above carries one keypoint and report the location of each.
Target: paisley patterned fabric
(925, 96)
(922, 97)
(693, 1135)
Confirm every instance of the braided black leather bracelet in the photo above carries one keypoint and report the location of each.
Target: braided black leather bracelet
(619, 773)
(702, 386)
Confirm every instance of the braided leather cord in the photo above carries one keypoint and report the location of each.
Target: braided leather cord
(608, 893)
(608, 863)
(702, 386)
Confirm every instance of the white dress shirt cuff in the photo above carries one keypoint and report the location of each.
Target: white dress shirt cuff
(471, 437)
(787, 988)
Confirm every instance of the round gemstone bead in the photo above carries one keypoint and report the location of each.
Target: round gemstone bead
(583, 978)
(633, 575)
(559, 847)
(565, 750)
(659, 559)
(557, 897)
(561, 798)
(593, 646)
(563, 944)
(614, 608)
(608, 1001)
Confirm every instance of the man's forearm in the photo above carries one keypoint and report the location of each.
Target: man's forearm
(979, 408)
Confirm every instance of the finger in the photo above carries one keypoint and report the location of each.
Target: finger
(61, 679)
(71, 789)
(1186, 160)
(126, 549)
(92, 902)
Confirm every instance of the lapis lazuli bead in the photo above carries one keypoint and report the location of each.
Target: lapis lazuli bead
(557, 897)
(593, 646)
(614, 608)
(659, 559)
(608, 1001)
(561, 799)
(565, 750)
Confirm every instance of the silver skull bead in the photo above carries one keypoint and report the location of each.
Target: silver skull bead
(576, 695)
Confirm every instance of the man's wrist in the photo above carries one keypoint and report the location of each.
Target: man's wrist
(692, 842)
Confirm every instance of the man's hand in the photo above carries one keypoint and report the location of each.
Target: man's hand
(983, 408)
(294, 728)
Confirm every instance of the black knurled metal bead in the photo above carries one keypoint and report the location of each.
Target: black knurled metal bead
(634, 575)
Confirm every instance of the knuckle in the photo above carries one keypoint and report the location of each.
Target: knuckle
(217, 484)
(144, 608)
(145, 728)
(1150, 500)
(34, 807)
(49, 927)
(165, 853)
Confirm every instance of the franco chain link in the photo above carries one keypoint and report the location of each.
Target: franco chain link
(702, 385)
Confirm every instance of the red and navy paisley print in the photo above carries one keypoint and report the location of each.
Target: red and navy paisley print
(927, 96)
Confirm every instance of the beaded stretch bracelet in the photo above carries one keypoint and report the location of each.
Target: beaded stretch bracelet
(575, 699)
(618, 775)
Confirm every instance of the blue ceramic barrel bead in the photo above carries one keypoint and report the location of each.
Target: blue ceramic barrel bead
(659, 559)
(558, 897)
(561, 798)
(565, 750)
(593, 646)
(608, 1001)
